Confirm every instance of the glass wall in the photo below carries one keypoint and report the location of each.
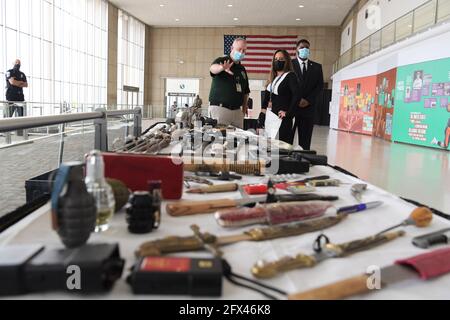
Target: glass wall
(131, 48)
(62, 45)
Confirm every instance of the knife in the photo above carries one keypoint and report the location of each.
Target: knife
(265, 270)
(431, 239)
(191, 207)
(425, 266)
(174, 244)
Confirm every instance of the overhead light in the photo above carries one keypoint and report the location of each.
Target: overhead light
(181, 61)
(162, 5)
(298, 19)
(177, 20)
(235, 19)
(301, 6)
(409, 25)
(229, 6)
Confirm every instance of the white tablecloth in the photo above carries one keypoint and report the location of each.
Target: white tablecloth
(36, 228)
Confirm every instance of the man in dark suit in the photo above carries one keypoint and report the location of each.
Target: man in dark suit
(310, 78)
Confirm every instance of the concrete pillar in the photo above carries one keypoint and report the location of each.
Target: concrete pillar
(147, 67)
(113, 17)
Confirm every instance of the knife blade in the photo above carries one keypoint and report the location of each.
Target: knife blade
(188, 207)
(425, 266)
(397, 273)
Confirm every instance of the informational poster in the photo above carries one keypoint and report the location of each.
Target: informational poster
(357, 105)
(384, 104)
(422, 110)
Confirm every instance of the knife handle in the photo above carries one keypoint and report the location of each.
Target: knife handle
(186, 208)
(339, 290)
(437, 239)
(269, 270)
(170, 245)
(226, 187)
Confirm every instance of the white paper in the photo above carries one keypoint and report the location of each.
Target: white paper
(273, 124)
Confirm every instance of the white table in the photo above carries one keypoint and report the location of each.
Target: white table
(36, 228)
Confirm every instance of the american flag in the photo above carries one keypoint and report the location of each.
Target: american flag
(260, 50)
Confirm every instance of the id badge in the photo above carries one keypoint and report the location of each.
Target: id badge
(238, 87)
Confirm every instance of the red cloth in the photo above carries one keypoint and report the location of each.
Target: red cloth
(431, 264)
(137, 170)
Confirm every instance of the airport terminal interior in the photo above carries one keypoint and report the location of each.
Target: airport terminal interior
(182, 149)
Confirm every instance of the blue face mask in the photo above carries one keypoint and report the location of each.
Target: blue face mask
(237, 56)
(304, 53)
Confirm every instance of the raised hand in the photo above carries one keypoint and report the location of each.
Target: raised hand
(227, 66)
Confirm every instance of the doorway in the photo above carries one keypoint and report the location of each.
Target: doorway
(179, 93)
(131, 95)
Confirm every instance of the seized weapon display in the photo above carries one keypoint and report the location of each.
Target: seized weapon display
(420, 217)
(221, 176)
(324, 183)
(191, 243)
(272, 214)
(216, 165)
(198, 180)
(218, 188)
(432, 239)
(357, 190)
(425, 267)
(279, 213)
(192, 207)
(267, 270)
(151, 143)
(294, 186)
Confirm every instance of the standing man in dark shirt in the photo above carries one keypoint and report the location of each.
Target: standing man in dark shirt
(310, 78)
(230, 87)
(15, 82)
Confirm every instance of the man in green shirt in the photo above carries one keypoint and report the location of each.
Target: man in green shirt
(230, 88)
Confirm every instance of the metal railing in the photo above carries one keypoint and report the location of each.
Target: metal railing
(52, 109)
(418, 20)
(99, 118)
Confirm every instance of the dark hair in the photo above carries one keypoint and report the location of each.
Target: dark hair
(303, 41)
(287, 66)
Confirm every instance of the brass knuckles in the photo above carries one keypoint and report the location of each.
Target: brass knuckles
(173, 244)
(264, 270)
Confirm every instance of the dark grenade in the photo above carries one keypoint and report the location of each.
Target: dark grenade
(141, 213)
(76, 214)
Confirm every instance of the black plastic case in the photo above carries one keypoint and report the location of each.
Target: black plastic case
(100, 266)
(12, 263)
(177, 276)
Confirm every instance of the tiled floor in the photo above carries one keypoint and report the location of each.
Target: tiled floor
(417, 173)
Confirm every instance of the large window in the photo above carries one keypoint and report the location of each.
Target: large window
(131, 47)
(62, 45)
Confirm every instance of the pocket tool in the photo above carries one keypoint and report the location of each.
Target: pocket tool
(432, 239)
(357, 191)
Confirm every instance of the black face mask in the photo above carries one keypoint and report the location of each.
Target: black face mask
(279, 65)
(17, 67)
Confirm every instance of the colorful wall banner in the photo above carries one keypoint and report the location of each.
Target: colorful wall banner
(422, 108)
(384, 104)
(357, 105)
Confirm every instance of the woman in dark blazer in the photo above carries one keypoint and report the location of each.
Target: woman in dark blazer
(281, 95)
